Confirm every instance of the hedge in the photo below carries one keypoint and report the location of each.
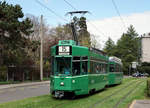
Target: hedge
(148, 86)
(144, 69)
(3, 73)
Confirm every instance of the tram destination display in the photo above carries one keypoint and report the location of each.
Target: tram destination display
(64, 50)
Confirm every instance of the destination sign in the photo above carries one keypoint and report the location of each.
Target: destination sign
(64, 50)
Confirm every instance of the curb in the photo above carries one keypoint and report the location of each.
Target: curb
(132, 104)
(24, 84)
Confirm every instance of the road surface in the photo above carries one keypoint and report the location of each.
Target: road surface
(17, 93)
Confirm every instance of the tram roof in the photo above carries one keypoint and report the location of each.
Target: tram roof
(115, 59)
(67, 42)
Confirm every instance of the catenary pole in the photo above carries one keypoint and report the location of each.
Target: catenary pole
(41, 50)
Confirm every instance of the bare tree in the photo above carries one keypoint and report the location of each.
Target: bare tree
(94, 42)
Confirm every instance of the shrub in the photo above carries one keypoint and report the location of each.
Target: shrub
(3, 73)
(148, 87)
(144, 68)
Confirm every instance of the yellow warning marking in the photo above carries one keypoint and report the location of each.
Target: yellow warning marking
(21, 88)
(34, 87)
(131, 106)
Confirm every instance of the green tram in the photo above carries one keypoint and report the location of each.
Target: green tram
(115, 71)
(78, 70)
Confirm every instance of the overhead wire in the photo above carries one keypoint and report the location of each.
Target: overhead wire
(117, 10)
(52, 11)
(70, 4)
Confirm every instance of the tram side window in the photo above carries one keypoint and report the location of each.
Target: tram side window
(84, 67)
(91, 67)
(76, 66)
(52, 65)
(106, 68)
(111, 68)
(100, 68)
(117, 68)
(103, 68)
(97, 68)
(120, 68)
(94, 69)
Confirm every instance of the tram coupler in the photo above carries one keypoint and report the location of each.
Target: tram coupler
(59, 94)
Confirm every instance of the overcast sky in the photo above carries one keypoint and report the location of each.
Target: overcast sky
(103, 14)
(113, 27)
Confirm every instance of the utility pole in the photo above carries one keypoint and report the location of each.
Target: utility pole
(41, 50)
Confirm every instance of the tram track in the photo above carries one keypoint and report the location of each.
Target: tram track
(60, 104)
(126, 95)
(109, 96)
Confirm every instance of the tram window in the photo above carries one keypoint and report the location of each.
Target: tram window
(94, 68)
(117, 68)
(103, 68)
(76, 68)
(63, 66)
(97, 68)
(84, 67)
(76, 65)
(106, 68)
(52, 65)
(85, 58)
(120, 69)
(91, 67)
(100, 68)
(56, 50)
(76, 58)
(111, 68)
(93, 71)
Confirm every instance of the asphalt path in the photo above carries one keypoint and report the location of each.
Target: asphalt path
(17, 93)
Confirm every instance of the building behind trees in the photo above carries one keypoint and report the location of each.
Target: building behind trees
(145, 48)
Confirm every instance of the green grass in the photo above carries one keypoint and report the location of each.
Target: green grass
(46, 79)
(47, 101)
(8, 82)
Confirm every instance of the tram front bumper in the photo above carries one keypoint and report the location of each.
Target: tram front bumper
(77, 85)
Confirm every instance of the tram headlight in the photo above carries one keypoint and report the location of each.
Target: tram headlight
(73, 81)
(62, 83)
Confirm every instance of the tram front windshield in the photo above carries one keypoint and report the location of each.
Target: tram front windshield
(63, 66)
